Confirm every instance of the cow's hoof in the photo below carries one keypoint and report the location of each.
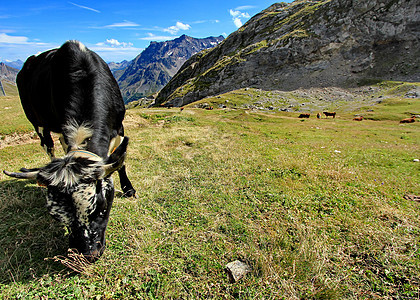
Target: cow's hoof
(130, 193)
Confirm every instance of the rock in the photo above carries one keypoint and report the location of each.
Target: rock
(236, 270)
(416, 160)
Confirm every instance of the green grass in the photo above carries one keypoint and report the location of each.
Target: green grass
(315, 207)
(11, 113)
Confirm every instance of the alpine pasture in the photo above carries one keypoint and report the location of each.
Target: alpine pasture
(315, 207)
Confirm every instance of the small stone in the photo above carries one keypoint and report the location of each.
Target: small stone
(416, 160)
(236, 270)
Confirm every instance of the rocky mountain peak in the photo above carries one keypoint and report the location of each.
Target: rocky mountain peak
(152, 69)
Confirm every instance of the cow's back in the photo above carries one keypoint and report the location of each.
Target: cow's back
(71, 83)
(33, 82)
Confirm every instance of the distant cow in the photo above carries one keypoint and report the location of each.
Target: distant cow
(359, 118)
(304, 115)
(408, 120)
(71, 91)
(329, 114)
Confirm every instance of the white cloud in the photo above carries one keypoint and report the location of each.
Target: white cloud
(114, 50)
(245, 7)
(115, 44)
(8, 39)
(179, 26)
(85, 7)
(122, 24)
(152, 37)
(237, 16)
(20, 47)
(237, 22)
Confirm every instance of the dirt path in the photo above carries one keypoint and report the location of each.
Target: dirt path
(18, 139)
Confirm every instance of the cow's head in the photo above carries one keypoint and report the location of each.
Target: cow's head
(80, 195)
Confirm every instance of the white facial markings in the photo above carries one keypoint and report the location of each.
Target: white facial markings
(63, 177)
(58, 211)
(84, 202)
(107, 185)
(78, 135)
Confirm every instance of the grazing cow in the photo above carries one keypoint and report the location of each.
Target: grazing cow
(71, 91)
(408, 120)
(329, 114)
(304, 115)
(359, 118)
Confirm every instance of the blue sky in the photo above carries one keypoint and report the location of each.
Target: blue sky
(116, 30)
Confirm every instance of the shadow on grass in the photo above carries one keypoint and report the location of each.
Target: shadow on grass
(28, 234)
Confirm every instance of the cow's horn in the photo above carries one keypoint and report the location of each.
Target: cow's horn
(26, 175)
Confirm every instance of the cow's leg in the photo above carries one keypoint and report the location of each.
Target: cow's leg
(46, 141)
(63, 143)
(126, 185)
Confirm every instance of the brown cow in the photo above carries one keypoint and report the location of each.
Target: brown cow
(304, 115)
(329, 114)
(409, 120)
(359, 118)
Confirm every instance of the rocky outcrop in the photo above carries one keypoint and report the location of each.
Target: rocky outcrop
(307, 44)
(152, 69)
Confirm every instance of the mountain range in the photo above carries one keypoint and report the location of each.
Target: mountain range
(304, 44)
(17, 64)
(152, 69)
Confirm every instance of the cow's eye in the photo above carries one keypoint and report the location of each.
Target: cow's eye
(85, 142)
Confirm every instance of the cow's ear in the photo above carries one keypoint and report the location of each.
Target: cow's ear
(116, 159)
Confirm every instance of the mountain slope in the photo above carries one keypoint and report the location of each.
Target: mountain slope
(8, 73)
(157, 64)
(307, 44)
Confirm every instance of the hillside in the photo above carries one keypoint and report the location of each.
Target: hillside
(307, 44)
(152, 69)
(8, 73)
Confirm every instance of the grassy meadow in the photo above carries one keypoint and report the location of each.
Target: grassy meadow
(315, 207)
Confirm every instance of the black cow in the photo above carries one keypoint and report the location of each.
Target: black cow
(71, 91)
